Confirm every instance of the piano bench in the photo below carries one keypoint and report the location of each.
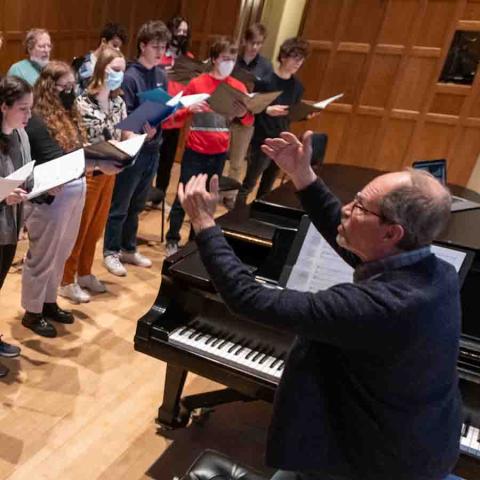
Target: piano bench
(212, 465)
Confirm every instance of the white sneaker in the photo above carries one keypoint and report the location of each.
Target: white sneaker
(136, 258)
(114, 265)
(171, 248)
(92, 283)
(74, 293)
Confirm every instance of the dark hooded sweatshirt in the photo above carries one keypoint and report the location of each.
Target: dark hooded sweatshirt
(139, 78)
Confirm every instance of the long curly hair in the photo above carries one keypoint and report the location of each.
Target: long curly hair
(64, 126)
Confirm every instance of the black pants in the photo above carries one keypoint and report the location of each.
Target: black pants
(7, 254)
(168, 150)
(193, 163)
(259, 165)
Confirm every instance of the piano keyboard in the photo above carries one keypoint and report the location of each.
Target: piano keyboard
(470, 440)
(236, 354)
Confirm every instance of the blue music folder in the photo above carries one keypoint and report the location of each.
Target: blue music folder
(151, 112)
(158, 95)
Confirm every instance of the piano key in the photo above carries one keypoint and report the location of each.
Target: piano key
(230, 350)
(470, 442)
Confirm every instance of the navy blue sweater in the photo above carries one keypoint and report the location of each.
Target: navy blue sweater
(370, 387)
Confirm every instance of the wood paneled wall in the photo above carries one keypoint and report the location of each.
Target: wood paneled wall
(386, 56)
(75, 25)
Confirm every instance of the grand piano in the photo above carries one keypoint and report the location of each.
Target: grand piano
(190, 328)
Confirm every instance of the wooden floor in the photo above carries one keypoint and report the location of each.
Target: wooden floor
(82, 405)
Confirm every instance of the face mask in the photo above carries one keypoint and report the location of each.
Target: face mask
(114, 80)
(179, 41)
(41, 62)
(67, 99)
(225, 68)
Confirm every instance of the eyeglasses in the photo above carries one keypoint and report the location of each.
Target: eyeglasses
(67, 87)
(357, 205)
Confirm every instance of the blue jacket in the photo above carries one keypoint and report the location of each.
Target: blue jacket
(370, 387)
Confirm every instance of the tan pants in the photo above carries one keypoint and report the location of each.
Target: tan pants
(240, 137)
(94, 218)
(52, 230)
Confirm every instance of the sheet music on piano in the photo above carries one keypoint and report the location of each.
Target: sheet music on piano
(318, 266)
(313, 264)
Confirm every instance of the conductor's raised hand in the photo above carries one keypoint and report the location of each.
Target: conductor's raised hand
(292, 156)
(198, 203)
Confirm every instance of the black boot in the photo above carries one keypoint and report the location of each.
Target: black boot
(53, 312)
(36, 322)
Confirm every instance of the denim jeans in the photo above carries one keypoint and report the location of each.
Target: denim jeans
(193, 163)
(259, 165)
(129, 196)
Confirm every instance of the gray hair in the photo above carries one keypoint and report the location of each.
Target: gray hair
(31, 38)
(421, 208)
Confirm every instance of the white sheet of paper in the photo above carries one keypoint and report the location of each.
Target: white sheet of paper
(188, 100)
(450, 255)
(14, 180)
(324, 103)
(133, 145)
(57, 172)
(174, 100)
(318, 266)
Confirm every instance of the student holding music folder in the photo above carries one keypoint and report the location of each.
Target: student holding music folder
(249, 61)
(54, 130)
(100, 107)
(274, 119)
(178, 47)
(16, 101)
(209, 135)
(133, 184)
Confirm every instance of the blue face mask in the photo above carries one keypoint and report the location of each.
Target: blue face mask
(114, 79)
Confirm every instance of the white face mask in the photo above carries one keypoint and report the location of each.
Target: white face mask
(225, 68)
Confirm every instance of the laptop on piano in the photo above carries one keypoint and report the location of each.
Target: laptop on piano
(438, 168)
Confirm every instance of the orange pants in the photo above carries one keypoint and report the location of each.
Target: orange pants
(94, 218)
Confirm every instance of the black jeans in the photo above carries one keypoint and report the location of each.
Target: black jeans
(193, 163)
(259, 165)
(168, 150)
(7, 254)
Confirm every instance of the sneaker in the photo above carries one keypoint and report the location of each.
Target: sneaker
(92, 283)
(171, 248)
(114, 265)
(74, 293)
(136, 258)
(7, 350)
(36, 322)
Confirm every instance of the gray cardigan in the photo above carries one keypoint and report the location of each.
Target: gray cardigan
(11, 217)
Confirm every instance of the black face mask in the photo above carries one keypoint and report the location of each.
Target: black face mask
(179, 41)
(67, 99)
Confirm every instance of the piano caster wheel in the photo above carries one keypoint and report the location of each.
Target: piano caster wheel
(200, 415)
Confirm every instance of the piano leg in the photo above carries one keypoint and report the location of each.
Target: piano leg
(170, 414)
